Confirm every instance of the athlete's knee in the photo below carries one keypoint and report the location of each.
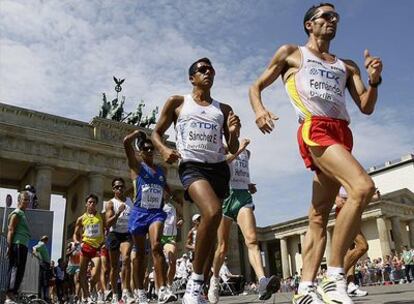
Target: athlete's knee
(156, 249)
(212, 215)
(362, 190)
(251, 241)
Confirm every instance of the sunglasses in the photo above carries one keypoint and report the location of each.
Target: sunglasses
(204, 68)
(328, 16)
(118, 187)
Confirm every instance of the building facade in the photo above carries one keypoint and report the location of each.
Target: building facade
(387, 223)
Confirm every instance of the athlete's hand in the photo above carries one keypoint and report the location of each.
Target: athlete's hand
(121, 208)
(233, 123)
(180, 222)
(264, 121)
(244, 142)
(252, 188)
(373, 66)
(169, 155)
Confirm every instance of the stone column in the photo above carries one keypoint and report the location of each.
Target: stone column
(266, 265)
(96, 186)
(411, 232)
(43, 185)
(302, 240)
(285, 258)
(383, 236)
(396, 232)
(329, 232)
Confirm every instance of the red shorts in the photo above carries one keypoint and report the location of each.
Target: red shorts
(104, 252)
(322, 132)
(90, 251)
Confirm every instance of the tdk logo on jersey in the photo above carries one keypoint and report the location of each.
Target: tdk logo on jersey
(203, 125)
(324, 73)
(152, 188)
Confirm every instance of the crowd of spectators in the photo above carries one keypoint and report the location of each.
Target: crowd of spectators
(393, 269)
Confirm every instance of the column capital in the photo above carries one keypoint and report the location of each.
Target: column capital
(43, 167)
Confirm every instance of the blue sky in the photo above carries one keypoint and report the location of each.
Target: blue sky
(59, 56)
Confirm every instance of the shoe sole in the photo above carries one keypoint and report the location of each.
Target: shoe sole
(271, 288)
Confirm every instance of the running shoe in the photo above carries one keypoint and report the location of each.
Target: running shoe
(141, 297)
(334, 290)
(267, 287)
(165, 295)
(354, 291)
(214, 289)
(310, 296)
(127, 297)
(193, 293)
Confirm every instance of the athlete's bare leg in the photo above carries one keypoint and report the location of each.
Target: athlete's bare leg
(84, 261)
(171, 252)
(335, 161)
(155, 231)
(223, 234)
(247, 223)
(139, 265)
(125, 250)
(96, 273)
(324, 191)
(113, 274)
(210, 208)
(104, 271)
(354, 254)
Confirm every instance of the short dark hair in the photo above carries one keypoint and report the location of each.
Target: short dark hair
(193, 67)
(311, 12)
(118, 179)
(142, 143)
(94, 196)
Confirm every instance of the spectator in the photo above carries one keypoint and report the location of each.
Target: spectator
(407, 257)
(34, 204)
(228, 277)
(18, 237)
(59, 272)
(40, 250)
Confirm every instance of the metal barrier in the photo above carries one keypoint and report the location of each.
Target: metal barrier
(31, 274)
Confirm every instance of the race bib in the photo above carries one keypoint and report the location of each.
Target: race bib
(93, 231)
(203, 136)
(151, 197)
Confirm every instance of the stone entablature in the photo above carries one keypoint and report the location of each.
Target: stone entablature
(41, 138)
(385, 208)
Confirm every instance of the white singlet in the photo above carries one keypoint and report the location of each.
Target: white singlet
(199, 132)
(318, 88)
(121, 225)
(170, 224)
(240, 177)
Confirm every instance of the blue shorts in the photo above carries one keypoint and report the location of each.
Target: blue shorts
(140, 219)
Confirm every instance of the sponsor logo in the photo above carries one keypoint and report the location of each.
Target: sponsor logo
(314, 61)
(334, 68)
(203, 125)
(313, 71)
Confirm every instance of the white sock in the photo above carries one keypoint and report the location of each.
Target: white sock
(197, 277)
(303, 286)
(334, 271)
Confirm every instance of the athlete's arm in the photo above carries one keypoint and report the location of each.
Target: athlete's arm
(14, 220)
(364, 98)
(188, 243)
(243, 145)
(69, 251)
(231, 128)
(278, 65)
(110, 216)
(77, 233)
(134, 164)
(167, 117)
